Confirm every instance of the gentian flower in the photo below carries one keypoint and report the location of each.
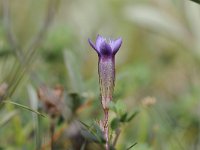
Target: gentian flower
(106, 50)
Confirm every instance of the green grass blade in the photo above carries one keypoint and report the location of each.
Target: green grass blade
(24, 107)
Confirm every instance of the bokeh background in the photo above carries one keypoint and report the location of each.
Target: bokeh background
(157, 68)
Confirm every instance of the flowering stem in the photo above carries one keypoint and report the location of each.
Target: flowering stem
(106, 51)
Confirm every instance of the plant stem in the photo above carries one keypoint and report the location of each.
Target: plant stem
(106, 128)
(52, 129)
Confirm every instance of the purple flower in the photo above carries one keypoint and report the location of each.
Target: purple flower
(106, 51)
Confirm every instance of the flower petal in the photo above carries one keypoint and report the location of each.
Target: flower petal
(115, 45)
(99, 41)
(93, 46)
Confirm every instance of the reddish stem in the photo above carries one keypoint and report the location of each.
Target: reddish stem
(106, 128)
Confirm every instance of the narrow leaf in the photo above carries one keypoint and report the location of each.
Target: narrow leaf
(129, 118)
(123, 118)
(85, 125)
(115, 123)
(131, 146)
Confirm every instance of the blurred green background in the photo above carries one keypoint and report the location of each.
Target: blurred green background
(45, 42)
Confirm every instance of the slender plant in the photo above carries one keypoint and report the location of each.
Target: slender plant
(106, 50)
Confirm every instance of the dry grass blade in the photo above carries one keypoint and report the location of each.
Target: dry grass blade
(34, 105)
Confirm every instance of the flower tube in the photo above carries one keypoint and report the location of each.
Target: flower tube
(106, 51)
